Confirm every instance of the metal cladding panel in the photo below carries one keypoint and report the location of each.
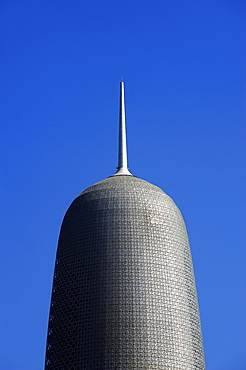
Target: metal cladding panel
(124, 295)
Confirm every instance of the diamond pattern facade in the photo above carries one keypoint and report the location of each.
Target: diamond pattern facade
(124, 295)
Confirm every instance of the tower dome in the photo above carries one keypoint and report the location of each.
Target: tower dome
(124, 294)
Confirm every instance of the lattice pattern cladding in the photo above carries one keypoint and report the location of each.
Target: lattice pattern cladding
(124, 295)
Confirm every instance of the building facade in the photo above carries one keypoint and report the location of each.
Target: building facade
(124, 294)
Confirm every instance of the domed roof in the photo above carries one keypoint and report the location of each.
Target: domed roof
(130, 183)
(124, 205)
(126, 192)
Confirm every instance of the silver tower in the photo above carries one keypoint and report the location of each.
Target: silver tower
(124, 294)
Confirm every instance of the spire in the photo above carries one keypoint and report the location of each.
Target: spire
(122, 155)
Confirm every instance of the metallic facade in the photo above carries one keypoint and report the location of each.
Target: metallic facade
(124, 295)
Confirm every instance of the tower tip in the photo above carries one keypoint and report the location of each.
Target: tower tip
(122, 168)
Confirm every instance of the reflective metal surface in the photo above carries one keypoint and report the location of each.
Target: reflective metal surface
(122, 168)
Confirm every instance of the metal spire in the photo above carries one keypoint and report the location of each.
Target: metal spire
(122, 155)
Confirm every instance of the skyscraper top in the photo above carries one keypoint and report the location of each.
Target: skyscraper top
(122, 168)
(124, 294)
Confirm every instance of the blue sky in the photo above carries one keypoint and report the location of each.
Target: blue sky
(183, 64)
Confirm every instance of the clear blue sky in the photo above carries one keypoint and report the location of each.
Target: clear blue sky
(184, 66)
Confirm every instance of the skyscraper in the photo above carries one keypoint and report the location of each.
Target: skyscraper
(124, 294)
